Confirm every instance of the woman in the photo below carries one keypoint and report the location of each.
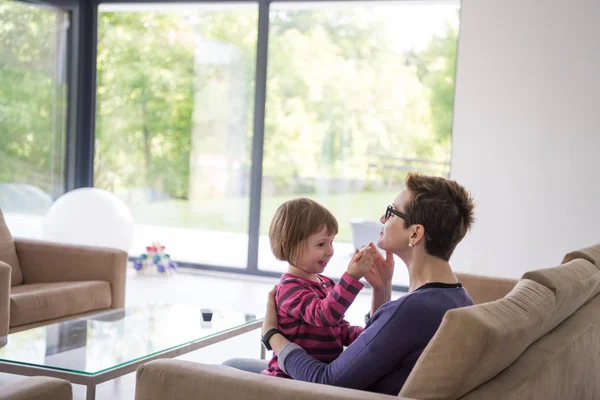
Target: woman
(422, 227)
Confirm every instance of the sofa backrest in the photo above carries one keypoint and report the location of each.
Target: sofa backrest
(592, 254)
(8, 253)
(474, 344)
(485, 288)
(573, 285)
(563, 364)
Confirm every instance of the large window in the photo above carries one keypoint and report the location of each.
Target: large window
(350, 96)
(357, 95)
(33, 109)
(175, 100)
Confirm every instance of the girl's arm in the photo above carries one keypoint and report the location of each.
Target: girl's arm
(300, 302)
(349, 333)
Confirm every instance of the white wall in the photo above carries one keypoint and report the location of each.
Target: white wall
(526, 139)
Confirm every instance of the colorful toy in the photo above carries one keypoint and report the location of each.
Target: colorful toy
(155, 257)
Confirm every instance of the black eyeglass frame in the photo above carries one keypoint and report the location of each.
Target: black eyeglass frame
(391, 210)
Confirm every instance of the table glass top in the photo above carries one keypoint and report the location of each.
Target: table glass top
(105, 341)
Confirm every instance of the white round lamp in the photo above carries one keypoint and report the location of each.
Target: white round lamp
(90, 216)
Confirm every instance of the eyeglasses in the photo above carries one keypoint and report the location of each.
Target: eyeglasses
(391, 210)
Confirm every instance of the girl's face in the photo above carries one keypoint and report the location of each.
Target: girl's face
(315, 252)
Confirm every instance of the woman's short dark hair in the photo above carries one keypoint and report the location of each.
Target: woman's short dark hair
(443, 207)
(293, 222)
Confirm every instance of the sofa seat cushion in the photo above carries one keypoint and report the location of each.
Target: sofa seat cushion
(43, 301)
(474, 344)
(573, 284)
(8, 253)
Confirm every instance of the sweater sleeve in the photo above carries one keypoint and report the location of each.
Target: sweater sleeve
(387, 341)
(349, 333)
(300, 302)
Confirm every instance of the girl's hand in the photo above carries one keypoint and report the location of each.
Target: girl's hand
(360, 263)
(270, 321)
(382, 271)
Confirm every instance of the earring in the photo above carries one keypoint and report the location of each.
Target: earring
(410, 245)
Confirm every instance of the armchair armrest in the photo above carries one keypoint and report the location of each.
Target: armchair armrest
(56, 262)
(485, 288)
(4, 298)
(185, 380)
(37, 388)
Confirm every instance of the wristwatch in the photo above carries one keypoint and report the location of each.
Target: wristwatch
(267, 336)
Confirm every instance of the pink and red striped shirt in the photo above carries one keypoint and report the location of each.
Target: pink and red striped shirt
(311, 314)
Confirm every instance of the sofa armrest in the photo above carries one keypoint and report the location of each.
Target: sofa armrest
(56, 262)
(4, 298)
(485, 288)
(37, 388)
(185, 380)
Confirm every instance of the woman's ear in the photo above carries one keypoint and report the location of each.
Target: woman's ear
(417, 234)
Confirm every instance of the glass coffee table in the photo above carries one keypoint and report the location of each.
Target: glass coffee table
(104, 346)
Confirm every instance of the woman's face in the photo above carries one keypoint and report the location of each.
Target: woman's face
(394, 236)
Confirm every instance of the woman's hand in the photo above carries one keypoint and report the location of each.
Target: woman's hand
(270, 321)
(382, 270)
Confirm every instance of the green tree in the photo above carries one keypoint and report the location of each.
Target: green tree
(32, 95)
(145, 102)
(338, 95)
(436, 68)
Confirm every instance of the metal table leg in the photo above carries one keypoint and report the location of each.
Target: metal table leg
(91, 391)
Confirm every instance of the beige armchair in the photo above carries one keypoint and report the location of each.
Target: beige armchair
(37, 388)
(43, 282)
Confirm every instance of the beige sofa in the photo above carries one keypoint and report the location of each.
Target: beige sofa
(43, 282)
(37, 388)
(541, 340)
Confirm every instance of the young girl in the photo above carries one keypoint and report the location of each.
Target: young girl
(311, 306)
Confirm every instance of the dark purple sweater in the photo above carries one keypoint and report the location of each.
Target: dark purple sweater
(381, 358)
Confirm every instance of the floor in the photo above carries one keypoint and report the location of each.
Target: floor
(208, 290)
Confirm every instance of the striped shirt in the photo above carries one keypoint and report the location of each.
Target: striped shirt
(311, 314)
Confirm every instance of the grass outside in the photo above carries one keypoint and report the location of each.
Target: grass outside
(231, 214)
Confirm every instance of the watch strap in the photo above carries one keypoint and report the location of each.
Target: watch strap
(267, 336)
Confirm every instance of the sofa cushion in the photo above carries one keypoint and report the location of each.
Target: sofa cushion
(592, 254)
(473, 344)
(573, 284)
(43, 301)
(37, 387)
(8, 254)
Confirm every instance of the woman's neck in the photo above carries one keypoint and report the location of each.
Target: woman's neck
(424, 268)
(302, 274)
